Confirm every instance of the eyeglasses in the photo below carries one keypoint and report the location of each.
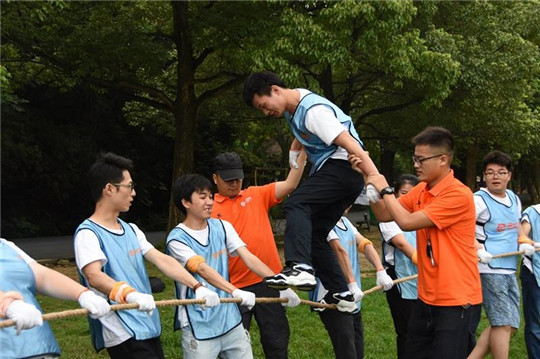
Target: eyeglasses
(418, 160)
(492, 174)
(131, 185)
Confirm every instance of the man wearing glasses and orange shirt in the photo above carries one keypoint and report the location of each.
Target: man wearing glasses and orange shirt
(441, 210)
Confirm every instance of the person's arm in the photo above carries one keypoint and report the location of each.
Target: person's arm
(97, 278)
(55, 284)
(366, 166)
(284, 188)
(253, 263)
(401, 243)
(371, 254)
(170, 267)
(343, 259)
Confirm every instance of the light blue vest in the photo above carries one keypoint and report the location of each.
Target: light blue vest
(211, 322)
(317, 151)
(347, 239)
(125, 262)
(16, 275)
(404, 267)
(501, 229)
(534, 219)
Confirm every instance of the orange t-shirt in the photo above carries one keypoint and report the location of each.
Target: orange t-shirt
(454, 279)
(248, 213)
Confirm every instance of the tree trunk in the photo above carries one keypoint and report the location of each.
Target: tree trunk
(387, 163)
(470, 169)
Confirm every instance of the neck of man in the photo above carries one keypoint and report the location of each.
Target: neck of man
(106, 217)
(439, 178)
(500, 194)
(195, 223)
(293, 99)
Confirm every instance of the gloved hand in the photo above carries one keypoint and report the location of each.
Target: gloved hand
(536, 244)
(384, 280)
(145, 301)
(372, 194)
(356, 291)
(25, 315)
(248, 298)
(484, 256)
(527, 248)
(293, 156)
(96, 305)
(293, 298)
(212, 299)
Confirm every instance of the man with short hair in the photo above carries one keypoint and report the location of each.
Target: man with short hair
(441, 210)
(498, 211)
(203, 245)
(110, 257)
(247, 210)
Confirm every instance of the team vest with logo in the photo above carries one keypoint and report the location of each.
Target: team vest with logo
(16, 275)
(125, 262)
(318, 152)
(501, 229)
(403, 266)
(211, 322)
(533, 213)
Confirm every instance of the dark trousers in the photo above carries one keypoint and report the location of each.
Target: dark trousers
(312, 210)
(137, 349)
(272, 321)
(531, 312)
(346, 332)
(401, 310)
(442, 332)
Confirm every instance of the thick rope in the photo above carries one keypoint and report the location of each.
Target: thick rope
(177, 302)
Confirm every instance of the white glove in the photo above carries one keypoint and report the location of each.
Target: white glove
(145, 301)
(25, 315)
(248, 298)
(96, 305)
(527, 248)
(536, 244)
(484, 256)
(293, 298)
(372, 194)
(384, 280)
(356, 291)
(212, 299)
(293, 157)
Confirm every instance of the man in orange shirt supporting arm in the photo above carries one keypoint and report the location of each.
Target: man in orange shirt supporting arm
(247, 210)
(441, 210)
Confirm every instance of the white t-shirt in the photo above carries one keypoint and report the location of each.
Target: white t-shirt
(482, 216)
(321, 121)
(88, 250)
(526, 261)
(27, 259)
(182, 253)
(388, 231)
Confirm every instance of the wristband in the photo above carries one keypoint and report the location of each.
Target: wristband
(387, 190)
(84, 290)
(119, 292)
(197, 286)
(524, 239)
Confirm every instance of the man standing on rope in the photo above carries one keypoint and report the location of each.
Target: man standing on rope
(20, 278)
(346, 330)
(328, 135)
(203, 245)
(110, 257)
(530, 280)
(247, 210)
(441, 210)
(498, 211)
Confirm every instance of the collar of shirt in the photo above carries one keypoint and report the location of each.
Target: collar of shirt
(444, 183)
(220, 199)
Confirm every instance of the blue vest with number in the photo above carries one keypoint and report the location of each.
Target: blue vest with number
(317, 151)
(125, 262)
(501, 229)
(533, 213)
(404, 267)
(211, 322)
(16, 275)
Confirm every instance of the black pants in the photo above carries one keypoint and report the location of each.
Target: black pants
(312, 210)
(346, 332)
(401, 310)
(442, 332)
(137, 349)
(272, 321)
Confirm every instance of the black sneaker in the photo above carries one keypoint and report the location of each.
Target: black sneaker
(292, 276)
(344, 302)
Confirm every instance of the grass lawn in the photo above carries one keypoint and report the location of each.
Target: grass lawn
(308, 337)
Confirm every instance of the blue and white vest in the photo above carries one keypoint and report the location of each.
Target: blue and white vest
(125, 262)
(533, 212)
(317, 151)
(347, 239)
(16, 275)
(211, 322)
(501, 229)
(404, 267)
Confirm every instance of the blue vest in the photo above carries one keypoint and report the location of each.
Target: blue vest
(211, 322)
(501, 229)
(125, 262)
(317, 151)
(534, 218)
(347, 239)
(16, 275)
(404, 267)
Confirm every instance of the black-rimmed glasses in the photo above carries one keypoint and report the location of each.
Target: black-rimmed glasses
(418, 160)
(131, 185)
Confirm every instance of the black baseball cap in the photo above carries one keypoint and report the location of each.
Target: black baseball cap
(228, 166)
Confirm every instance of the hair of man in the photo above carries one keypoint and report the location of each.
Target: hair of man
(186, 185)
(499, 158)
(260, 83)
(436, 137)
(108, 168)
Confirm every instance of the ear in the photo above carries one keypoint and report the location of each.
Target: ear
(445, 160)
(509, 175)
(214, 177)
(275, 89)
(109, 189)
(186, 203)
